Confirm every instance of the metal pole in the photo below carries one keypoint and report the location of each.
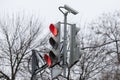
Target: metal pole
(70, 10)
(65, 44)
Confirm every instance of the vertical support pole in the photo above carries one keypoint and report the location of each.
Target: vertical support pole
(59, 36)
(34, 65)
(65, 44)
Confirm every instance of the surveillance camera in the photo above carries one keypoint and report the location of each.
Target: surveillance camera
(70, 9)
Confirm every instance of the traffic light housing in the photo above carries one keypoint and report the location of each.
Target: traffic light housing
(53, 56)
(74, 47)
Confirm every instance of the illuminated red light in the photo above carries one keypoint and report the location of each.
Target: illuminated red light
(53, 29)
(48, 60)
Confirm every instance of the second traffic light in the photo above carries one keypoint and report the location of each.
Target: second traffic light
(53, 56)
(74, 46)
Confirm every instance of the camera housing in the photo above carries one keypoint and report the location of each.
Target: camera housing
(70, 9)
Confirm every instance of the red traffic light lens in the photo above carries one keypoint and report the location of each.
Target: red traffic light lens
(53, 29)
(48, 60)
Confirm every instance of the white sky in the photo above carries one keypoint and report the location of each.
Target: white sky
(48, 11)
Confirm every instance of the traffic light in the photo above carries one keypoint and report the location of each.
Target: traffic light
(74, 47)
(54, 55)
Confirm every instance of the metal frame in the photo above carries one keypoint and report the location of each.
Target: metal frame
(68, 10)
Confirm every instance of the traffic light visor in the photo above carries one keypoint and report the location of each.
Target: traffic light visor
(48, 60)
(53, 29)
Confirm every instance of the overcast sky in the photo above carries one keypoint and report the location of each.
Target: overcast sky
(48, 11)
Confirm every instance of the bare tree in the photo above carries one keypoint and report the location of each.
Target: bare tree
(92, 60)
(110, 75)
(19, 35)
(107, 28)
